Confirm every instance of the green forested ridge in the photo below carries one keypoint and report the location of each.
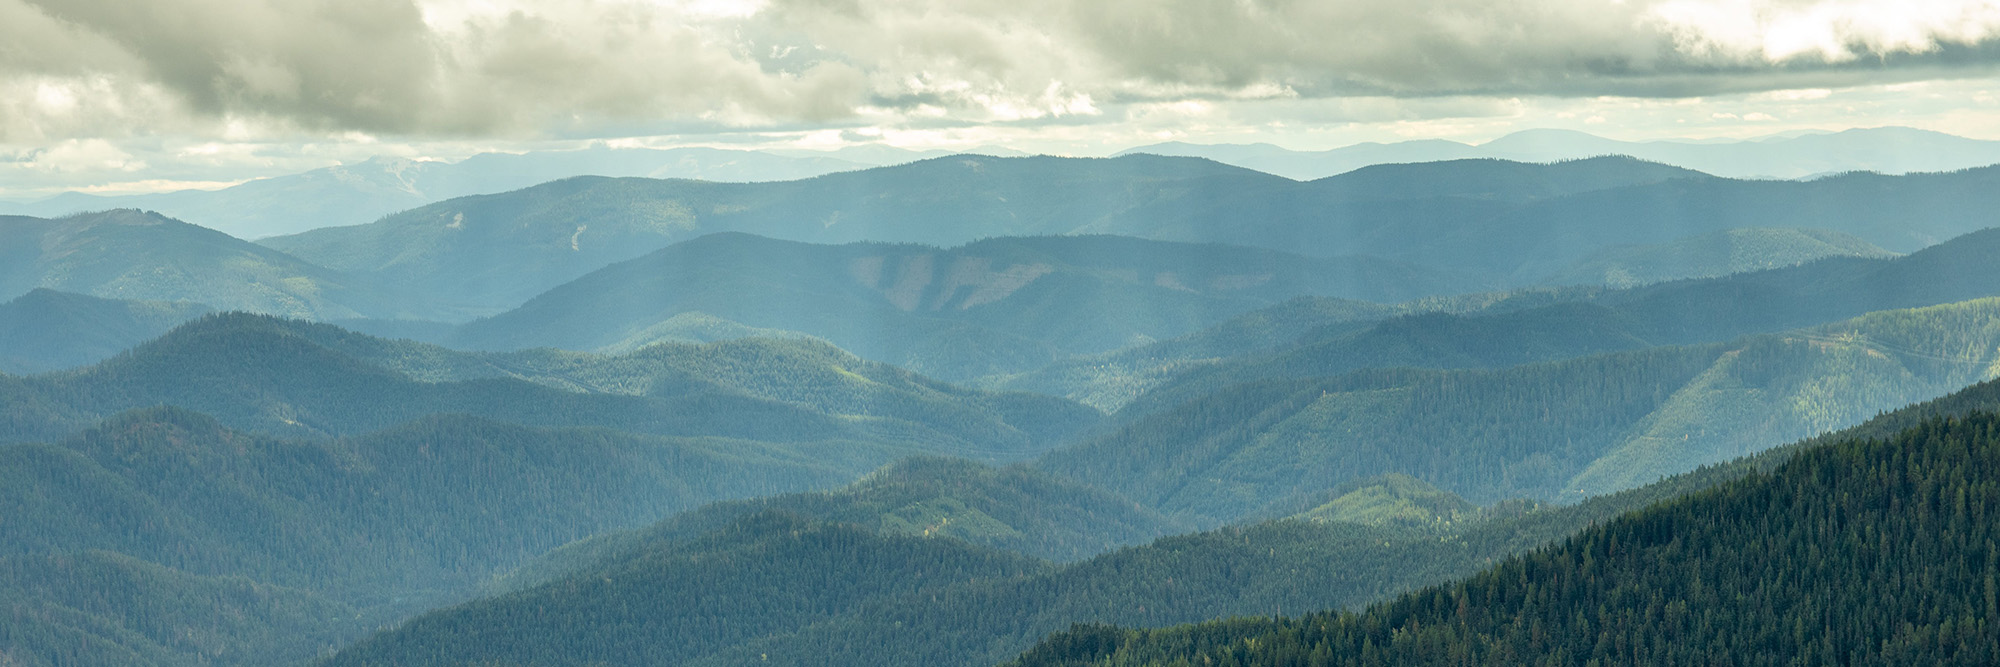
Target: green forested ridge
(1314, 336)
(270, 375)
(1464, 333)
(1013, 508)
(767, 572)
(144, 256)
(994, 306)
(1861, 552)
(1711, 255)
(1487, 435)
(46, 330)
(1268, 568)
(1114, 380)
(1511, 222)
(102, 608)
(492, 252)
(1559, 430)
(372, 527)
(801, 372)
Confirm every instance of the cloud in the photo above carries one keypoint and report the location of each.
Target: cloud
(522, 68)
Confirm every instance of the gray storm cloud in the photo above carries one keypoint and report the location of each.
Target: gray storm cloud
(76, 68)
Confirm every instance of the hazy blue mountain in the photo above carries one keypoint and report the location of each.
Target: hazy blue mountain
(295, 379)
(1543, 325)
(46, 330)
(1891, 150)
(1553, 431)
(363, 192)
(1509, 223)
(1523, 243)
(1713, 254)
(995, 306)
(489, 253)
(145, 256)
(1111, 380)
(879, 155)
(1491, 179)
(808, 373)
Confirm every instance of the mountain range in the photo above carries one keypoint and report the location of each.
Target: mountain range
(1315, 560)
(362, 192)
(1889, 150)
(943, 412)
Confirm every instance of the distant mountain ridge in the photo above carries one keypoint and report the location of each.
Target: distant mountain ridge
(997, 306)
(1712, 255)
(297, 379)
(145, 256)
(359, 193)
(46, 330)
(1509, 223)
(1889, 150)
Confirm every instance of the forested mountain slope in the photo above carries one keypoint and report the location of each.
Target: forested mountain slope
(766, 573)
(1898, 535)
(275, 376)
(1712, 255)
(1001, 305)
(126, 254)
(1273, 567)
(488, 253)
(1014, 508)
(1557, 430)
(46, 330)
(122, 542)
(492, 252)
(808, 373)
(1514, 330)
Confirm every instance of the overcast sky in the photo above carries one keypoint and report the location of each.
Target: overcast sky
(122, 95)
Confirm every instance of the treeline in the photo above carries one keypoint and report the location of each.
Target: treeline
(1862, 552)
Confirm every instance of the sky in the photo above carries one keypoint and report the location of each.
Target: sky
(122, 96)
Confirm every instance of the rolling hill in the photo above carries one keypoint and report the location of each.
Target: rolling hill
(1543, 325)
(1896, 535)
(996, 306)
(45, 330)
(1712, 255)
(1323, 562)
(488, 253)
(162, 537)
(142, 256)
(1553, 431)
(297, 379)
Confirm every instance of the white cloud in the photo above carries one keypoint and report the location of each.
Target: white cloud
(86, 155)
(1829, 31)
(220, 89)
